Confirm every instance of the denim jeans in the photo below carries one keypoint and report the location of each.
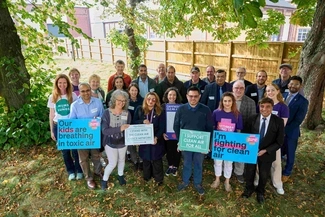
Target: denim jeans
(71, 162)
(195, 159)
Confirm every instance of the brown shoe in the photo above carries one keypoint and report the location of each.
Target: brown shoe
(285, 178)
(91, 184)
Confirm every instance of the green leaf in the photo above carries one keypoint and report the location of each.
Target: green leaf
(276, 1)
(262, 3)
(254, 8)
(238, 3)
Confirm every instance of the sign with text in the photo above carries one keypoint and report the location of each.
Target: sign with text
(170, 116)
(195, 141)
(139, 134)
(237, 147)
(78, 134)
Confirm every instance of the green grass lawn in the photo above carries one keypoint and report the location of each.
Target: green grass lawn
(33, 182)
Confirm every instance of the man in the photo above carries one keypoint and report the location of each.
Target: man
(161, 70)
(86, 107)
(246, 107)
(145, 83)
(256, 91)
(119, 66)
(213, 92)
(211, 78)
(271, 130)
(171, 81)
(192, 116)
(195, 80)
(241, 73)
(298, 106)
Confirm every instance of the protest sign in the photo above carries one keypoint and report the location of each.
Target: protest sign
(195, 141)
(139, 134)
(170, 116)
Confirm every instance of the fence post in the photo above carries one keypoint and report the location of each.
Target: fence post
(281, 53)
(112, 52)
(229, 61)
(67, 46)
(193, 56)
(90, 54)
(100, 51)
(165, 52)
(81, 50)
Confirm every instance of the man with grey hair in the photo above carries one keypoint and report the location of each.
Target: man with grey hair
(246, 107)
(211, 78)
(241, 73)
(87, 107)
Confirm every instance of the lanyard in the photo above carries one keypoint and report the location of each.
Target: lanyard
(150, 116)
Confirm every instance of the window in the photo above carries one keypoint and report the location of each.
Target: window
(302, 34)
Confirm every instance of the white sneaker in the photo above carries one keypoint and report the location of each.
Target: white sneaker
(280, 191)
(255, 183)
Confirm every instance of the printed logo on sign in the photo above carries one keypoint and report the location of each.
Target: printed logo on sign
(62, 107)
(252, 140)
(93, 124)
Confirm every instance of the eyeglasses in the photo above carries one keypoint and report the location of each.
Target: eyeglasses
(193, 96)
(122, 101)
(239, 88)
(151, 99)
(85, 91)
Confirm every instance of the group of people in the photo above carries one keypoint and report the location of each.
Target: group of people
(273, 111)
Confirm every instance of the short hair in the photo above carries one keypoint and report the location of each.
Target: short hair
(84, 84)
(170, 67)
(239, 81)
(262, 70)
(221, 71)
(115, 94)
(296, 78)
(211, 67)
(119, 62)
(193, 88)
(134, 85)
(142, 66)
(178, 95)
(73, 70)
(266, 100)
(94, 77)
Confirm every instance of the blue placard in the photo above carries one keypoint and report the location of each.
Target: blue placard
(170, 116)
(78, 134)
(237, 147)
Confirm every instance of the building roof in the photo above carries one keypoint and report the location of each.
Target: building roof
(280, 4)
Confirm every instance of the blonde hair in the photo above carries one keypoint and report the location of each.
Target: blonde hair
(74, 70)
(56, 93)
(94, 77)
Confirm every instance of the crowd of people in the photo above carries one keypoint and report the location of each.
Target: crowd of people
(274, 111)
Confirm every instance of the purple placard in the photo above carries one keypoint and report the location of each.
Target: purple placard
(170, 116)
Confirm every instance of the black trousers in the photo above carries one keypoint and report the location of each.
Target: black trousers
(173, 156)
(153, 169)
(264, 172)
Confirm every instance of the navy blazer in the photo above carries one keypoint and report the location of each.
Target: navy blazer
(274, 136)
(211, 97)
(298, 107)
(251, 92)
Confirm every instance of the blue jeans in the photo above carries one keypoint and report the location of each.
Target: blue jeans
(195, 159)
(289, 148)
(70, 165)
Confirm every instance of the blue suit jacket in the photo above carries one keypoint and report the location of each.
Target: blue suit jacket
(211, 97)
(298, 107)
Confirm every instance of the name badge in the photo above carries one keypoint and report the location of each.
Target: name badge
(94, 110)
(211, 97)
(131, 107)
(286, 90)
(124, 117)
(275, 112)
(253, 94)
(202, 91)
(152, 90)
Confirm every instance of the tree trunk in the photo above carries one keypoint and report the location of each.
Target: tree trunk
(312, 67)
(14, 78)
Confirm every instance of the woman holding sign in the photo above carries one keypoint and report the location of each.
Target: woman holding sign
(172, 99)
(226, 118)
(151, 113)
(115, 120)
(59, 103)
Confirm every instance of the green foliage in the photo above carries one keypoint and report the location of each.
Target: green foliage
(304, 14)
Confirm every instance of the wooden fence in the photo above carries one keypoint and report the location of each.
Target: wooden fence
(185, 54)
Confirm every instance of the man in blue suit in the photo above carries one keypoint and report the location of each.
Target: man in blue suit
(213, 92)
(298, 106)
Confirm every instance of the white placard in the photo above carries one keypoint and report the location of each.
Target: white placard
(139, 134)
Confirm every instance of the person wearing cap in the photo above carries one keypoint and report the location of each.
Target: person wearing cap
(283, 81)
(210, 78)
(195, 80)
(241, 73)
(213, 92)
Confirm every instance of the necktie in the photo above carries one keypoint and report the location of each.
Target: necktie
(262, 131)
(288, 99)
(220, 92)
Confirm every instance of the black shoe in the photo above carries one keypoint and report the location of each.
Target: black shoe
(121, 180)
(247, 194)
(160, 183)
(136, 166)
(103, 185)
(129, 157)
(168, 171)
(141, 166)
(260, 198)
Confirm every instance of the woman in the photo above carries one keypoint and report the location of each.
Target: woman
(151, 113)
(118, 84)
(96, 90)
(114, 121)
(59, 103)
(74, 75)
(172, 96)
(226, 118)
(135, 101)
(280, 109)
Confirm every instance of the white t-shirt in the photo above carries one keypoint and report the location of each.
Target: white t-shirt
(61, 107)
